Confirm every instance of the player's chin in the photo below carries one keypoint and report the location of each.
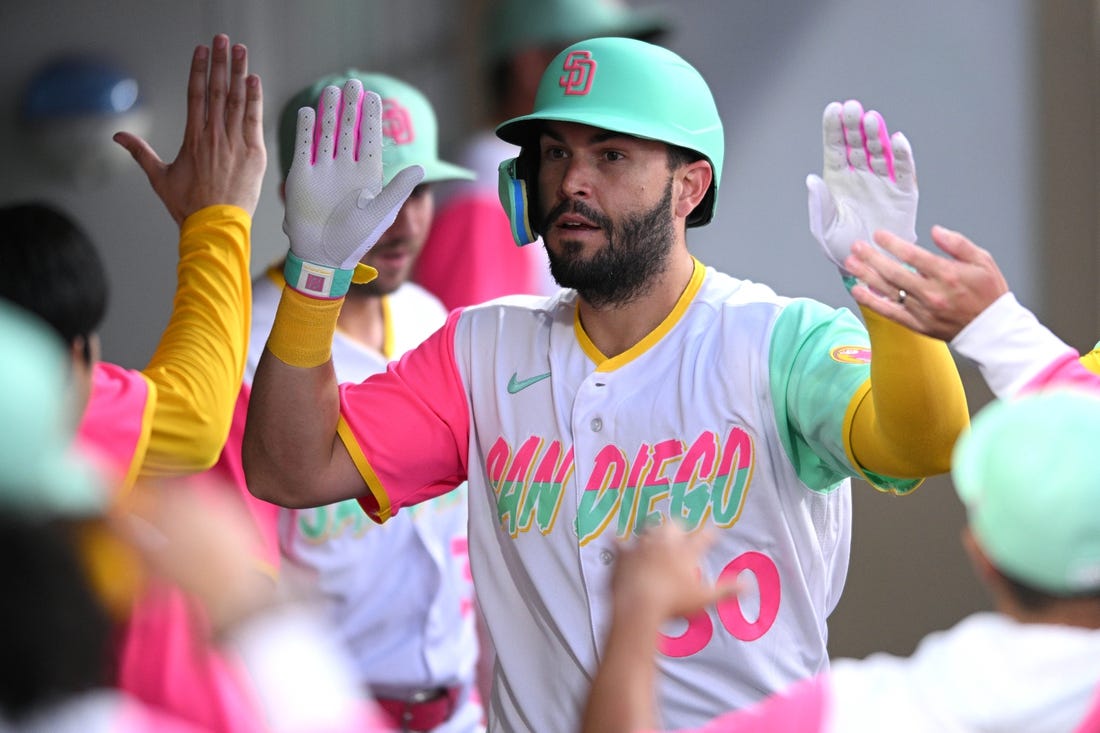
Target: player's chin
(567, 246)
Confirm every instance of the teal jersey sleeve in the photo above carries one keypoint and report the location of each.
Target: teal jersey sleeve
(820, 359)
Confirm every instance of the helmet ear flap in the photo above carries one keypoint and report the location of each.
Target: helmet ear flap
(517, 196)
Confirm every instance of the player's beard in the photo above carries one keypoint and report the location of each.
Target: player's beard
(637, 251)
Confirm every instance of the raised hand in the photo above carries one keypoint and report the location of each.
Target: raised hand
(659, 575)
(868, 182)
(222, 157)
(942, 294)
(336, 205)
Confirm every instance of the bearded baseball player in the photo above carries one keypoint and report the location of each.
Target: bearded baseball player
(411, 634)
(651, 389)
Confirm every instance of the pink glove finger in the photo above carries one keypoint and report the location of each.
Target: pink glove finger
(876, 142)
(905, 170)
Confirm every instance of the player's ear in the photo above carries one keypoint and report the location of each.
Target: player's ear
(691, 183)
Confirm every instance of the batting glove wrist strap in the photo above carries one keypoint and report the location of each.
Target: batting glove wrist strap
(322, 281)
(314, 280)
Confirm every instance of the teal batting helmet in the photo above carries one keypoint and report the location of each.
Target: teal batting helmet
(622, 85)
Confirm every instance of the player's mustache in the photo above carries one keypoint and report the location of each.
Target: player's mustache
(573, 206)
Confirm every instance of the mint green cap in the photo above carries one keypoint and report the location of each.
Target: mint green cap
(1028, 472)
(41, 474)
(512, 25)
(409, 127)
(633, 87)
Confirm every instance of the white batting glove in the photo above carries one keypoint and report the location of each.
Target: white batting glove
(336, 206)
(868, 182)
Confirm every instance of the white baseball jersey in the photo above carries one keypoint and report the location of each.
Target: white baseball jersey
(399, 594)
(733, 414)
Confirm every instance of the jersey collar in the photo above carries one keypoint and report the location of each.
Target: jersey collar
(604, 364)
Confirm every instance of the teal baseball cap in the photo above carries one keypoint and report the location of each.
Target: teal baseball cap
(409, 127)
(1028, 472)
(41, 473)
(512, 25)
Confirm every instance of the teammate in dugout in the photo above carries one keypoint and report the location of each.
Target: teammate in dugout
(172, 417)
(58, 624)
(652, 388)
(412, 635)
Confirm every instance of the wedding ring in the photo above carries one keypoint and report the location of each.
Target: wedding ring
(902, 295)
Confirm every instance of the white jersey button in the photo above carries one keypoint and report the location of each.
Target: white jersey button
(607, 557)
(597, 424)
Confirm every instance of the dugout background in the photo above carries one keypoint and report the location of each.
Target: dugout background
(998, 98)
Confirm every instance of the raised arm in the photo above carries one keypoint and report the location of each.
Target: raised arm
(336, 209)
(963, 298)
(211, 190)
(655, 580)
(908, 423)
(906, 426)
(929, 294)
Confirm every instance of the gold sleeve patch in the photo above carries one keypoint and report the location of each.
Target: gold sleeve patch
(851, 354)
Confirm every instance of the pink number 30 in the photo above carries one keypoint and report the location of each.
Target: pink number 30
(700, 627)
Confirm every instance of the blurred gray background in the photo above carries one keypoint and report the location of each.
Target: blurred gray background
(996, 96)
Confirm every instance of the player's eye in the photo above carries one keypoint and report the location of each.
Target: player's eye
(553, 154)
(614, 155)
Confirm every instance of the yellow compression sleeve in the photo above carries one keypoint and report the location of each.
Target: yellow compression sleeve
(1091, 361)
(906, 425)
(199, 362)
(301, 335)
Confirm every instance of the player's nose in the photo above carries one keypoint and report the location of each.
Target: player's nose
(576, 179)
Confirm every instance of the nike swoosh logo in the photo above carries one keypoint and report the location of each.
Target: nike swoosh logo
(518, 385)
